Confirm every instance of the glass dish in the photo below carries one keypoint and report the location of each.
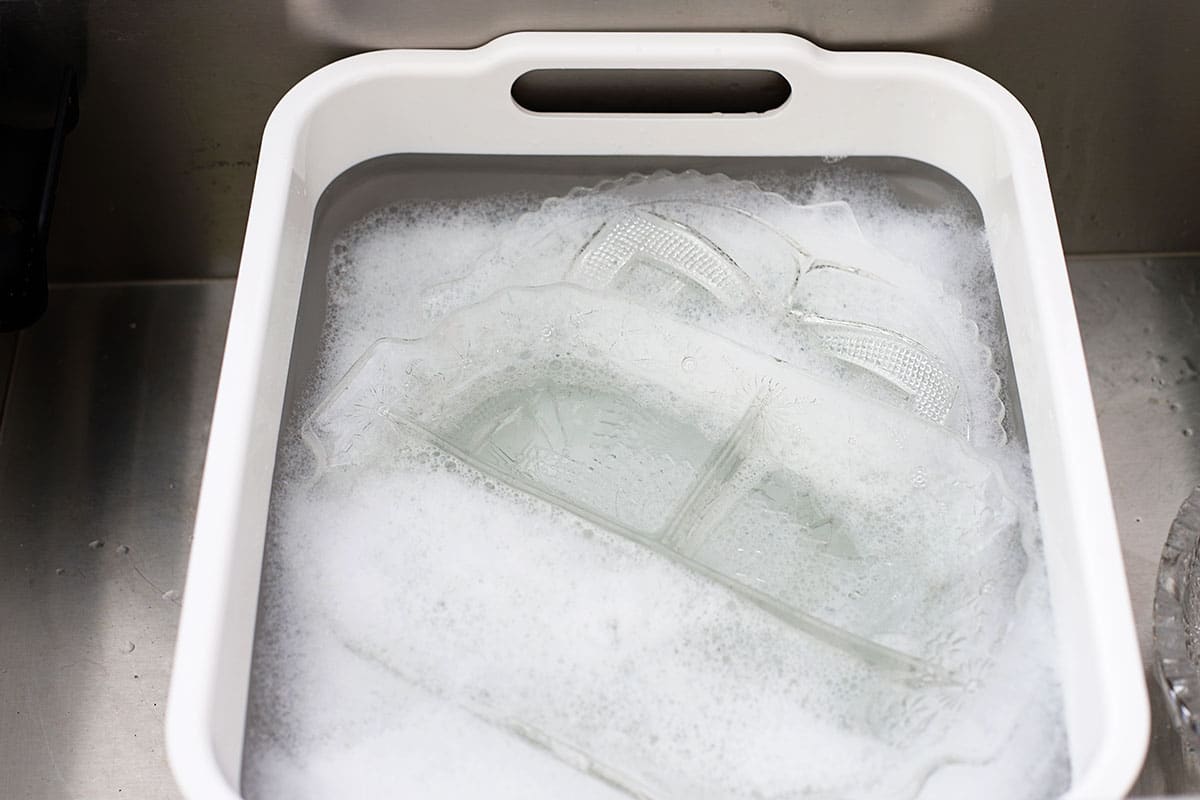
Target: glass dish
(1176, 664)
(798, 281)
(804, 498)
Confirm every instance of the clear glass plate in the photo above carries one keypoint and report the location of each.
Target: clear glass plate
(808, 500)
(798, 282)
(1177, 634)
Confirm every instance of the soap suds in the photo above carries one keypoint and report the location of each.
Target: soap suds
(429, 628)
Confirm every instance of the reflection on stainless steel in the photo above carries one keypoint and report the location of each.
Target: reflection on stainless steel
(100, 464)
(158, 179)
(8, 349)
(38, 38)
(375, 25)
(1140, 334)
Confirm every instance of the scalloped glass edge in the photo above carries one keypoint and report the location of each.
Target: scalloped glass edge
(1176, 634)
(986, 401)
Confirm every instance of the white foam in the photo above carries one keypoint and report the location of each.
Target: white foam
(428, 631)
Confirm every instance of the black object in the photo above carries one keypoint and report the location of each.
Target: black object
(651, 91)
(29, 164)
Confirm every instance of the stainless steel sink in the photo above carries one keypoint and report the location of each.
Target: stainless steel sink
(104, 404)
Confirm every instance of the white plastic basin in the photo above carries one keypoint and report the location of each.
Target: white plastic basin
(459, 102)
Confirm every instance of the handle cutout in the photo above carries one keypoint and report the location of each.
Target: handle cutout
(650, 91)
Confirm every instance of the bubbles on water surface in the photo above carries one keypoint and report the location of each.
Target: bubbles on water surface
(537, 584)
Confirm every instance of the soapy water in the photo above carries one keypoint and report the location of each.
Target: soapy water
(787, 279)
(677, 489)
(737, 466)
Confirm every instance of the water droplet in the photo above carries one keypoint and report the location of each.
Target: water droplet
(1188, 431)
(171, 594)
(96, 544)
(688, 364)
(127, 648)
(548, 332)
(123, 549)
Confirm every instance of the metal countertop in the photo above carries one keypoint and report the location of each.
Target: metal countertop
(102, 431)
